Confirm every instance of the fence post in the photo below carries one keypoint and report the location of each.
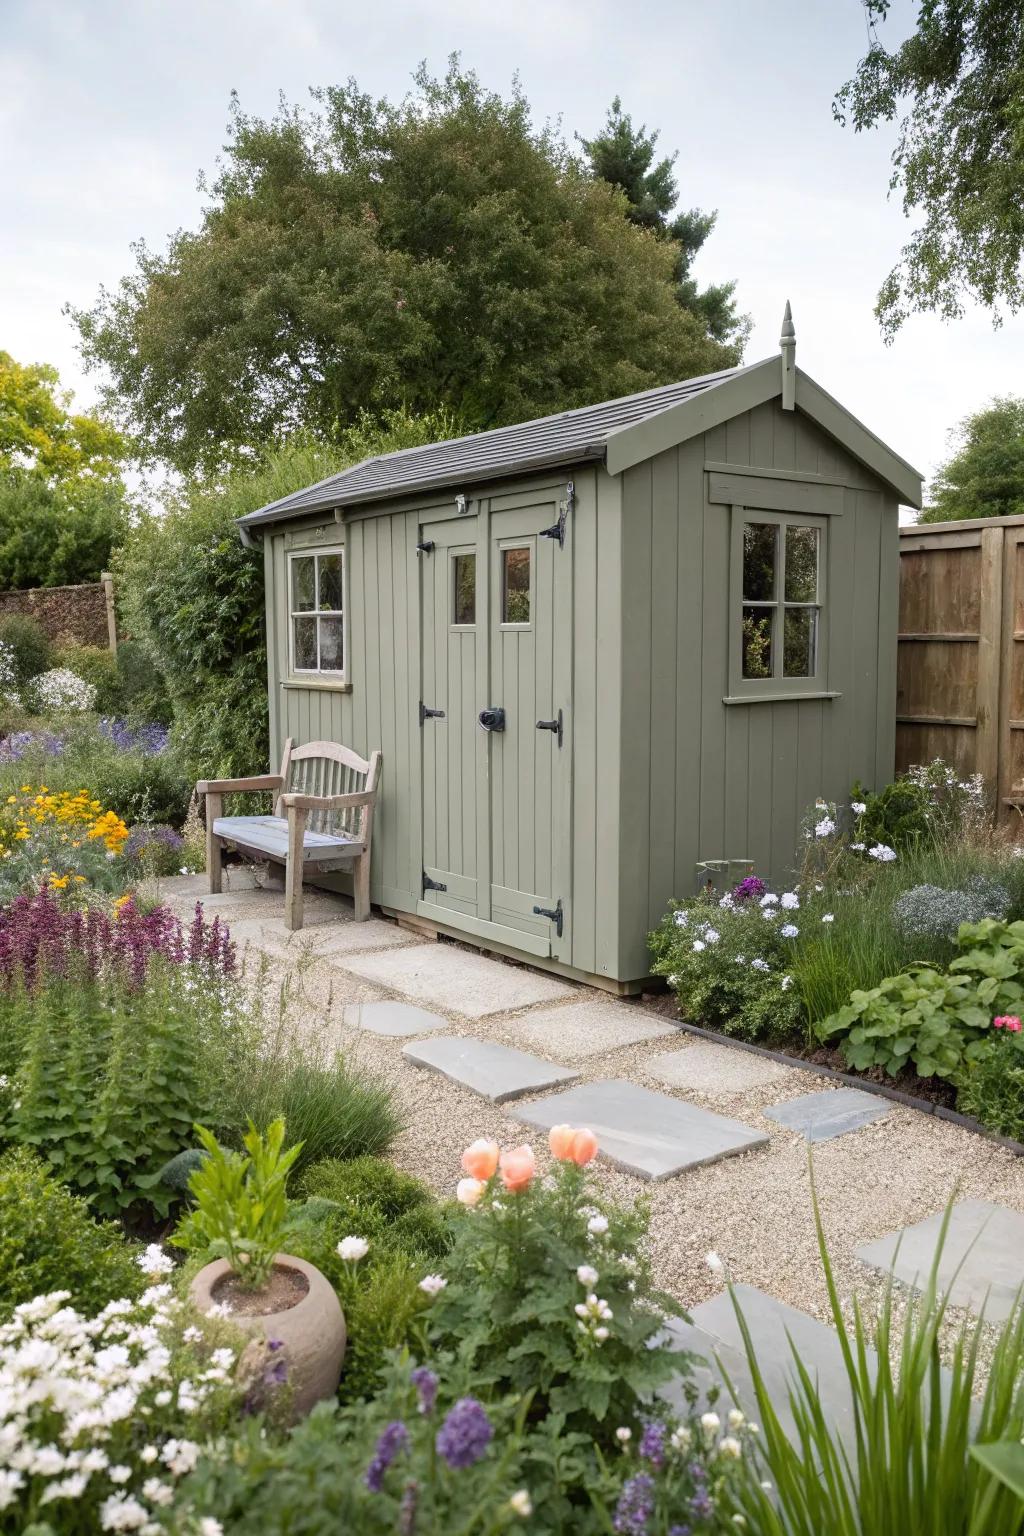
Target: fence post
(990, 625)
(108, 593)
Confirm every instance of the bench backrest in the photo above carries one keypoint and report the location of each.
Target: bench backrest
(327, 768)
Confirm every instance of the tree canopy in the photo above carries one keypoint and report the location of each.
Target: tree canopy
(367, 256)
(624, 156)
(985, 475)
(959, 156)
(63, 503)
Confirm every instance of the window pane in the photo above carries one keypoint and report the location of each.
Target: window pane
(760, 547)
(757, 641)
(515, 586)
(302, 582)
(332, 645)
(800, 642)
(305, 644)
(801, 565)
(330, 582)
(465, 589)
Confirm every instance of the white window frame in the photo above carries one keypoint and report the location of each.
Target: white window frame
(294, 613)
(777, 686)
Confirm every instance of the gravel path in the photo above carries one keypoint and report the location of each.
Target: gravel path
(753, 1209)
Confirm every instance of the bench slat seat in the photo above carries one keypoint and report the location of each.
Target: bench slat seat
(327, 794)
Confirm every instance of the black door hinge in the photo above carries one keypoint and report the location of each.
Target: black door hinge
(425, 547)
(557, 530)
(432, 885)
(554, 913)
(430, 714)
(552, 725)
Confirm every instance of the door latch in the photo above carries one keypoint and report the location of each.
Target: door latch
(557, 530)
(430, 714)
(552, 725)
(425, 547)
(432, 885)
(555, 913)
(492, 719)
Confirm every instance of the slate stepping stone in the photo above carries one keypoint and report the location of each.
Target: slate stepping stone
(494, 1071)
(982, 1262)
(717, 1071)
(456, 978)
(589, 1028)
(389, 1018)
(821, 1116)
(645, 1133)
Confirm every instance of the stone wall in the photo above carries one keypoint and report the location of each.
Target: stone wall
(68, 615)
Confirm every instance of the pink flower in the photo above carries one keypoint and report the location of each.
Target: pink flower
(480, 1159)
(1007, 1021)
(570, 1145)
(469, 1191)
(518, 1168)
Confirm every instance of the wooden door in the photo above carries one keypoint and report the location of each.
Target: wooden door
(496, 595)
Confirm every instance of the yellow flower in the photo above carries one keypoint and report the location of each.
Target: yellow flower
(58, 882)
(12, 799)
(79, 879)
(120, 903)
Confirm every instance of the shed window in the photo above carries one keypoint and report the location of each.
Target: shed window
(780, 596)
(316, 586)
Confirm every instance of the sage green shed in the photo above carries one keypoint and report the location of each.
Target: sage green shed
(597, 651)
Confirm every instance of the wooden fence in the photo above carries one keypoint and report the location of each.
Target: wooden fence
(960, 674)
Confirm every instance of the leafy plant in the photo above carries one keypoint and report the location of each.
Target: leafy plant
(896, 817)
(991, 1086)
(240, 1202)
(919, 1454)
(49, 1241)
(29, 645)
(332, 1110)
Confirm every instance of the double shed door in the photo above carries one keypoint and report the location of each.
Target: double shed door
(496, 605)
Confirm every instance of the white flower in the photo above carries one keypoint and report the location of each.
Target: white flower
(623, 1434)
(740, 959)
(432, 1285)
(10, 1482)
(154, 1261)
(680, 919)
(758, 964)
(712, 935)
(727, 901)
(66, 1488)
(520, 1504)
(119, 1474)
(61, 691)
(156, 1491)
(789, 900)
(122, 1513)
(681, 1438)
(469, 1191)
(789, 930)
(208, 1526)
(768, 900)
(148, 1454)
(713, 1262)
(858, 807)
(710, 1423)
(882, 853)
(352, 1249)
(829, 917)
(825, 827)
(597, 1226)
(180, 1456)
(192, 1334)
(787, 982)
(730, 1446)
(587, 1275)
(736, 1418)
(698, 946)
(601, 1334)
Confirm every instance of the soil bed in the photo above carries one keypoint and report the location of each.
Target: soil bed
(284, 1289)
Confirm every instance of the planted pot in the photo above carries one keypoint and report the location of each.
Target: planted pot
(297, 1310)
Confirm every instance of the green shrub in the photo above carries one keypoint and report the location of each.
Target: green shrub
(897, 816)
(97, 665)
(992, 1086)
(367, 1183)
(331, 1109)
(142, 688)
(29, 644)
(139, 786)
(49, 1242)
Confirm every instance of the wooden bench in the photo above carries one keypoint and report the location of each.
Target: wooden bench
(323, 820)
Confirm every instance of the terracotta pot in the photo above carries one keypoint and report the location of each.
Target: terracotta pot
(312, 1332)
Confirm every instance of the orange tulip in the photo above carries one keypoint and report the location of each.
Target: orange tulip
(480, 1159)
(583, 1148)
(560, 1141)
(518, 1168)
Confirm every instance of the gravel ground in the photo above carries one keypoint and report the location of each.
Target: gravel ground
(754, 1209)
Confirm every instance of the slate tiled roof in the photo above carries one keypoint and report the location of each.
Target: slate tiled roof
(567, 438)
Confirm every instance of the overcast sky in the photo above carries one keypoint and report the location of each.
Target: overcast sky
(110, 108)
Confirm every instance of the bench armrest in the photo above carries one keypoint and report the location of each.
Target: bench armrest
(227, 786)
(328, 802)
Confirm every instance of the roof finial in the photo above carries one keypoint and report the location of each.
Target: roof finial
(787, 345)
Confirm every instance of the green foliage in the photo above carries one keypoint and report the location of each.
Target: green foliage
(240, 1202)
(37, 428)
(57, 535)
(141, 688)
(332, 1110)
(624, 156)
(739, 981)
(908, 1463)
(29, 646)
(992, 1086)
(985, 476)
(897, 816)
(49, 1242)
(375, 1199)
(440, 252)
(958, 158)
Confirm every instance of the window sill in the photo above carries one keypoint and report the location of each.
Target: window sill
(321, 684)
(792, 697)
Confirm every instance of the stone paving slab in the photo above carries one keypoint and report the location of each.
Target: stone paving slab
(494, 1071)
(343, 936)
(645, 1133)
(589, 1028)
(982, 1262)
(387, 1018)
(833, 1112)
(716, 1071)
(458, 979)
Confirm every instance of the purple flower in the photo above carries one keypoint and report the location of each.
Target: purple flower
(393, 1439)
(701, 1504)
(465, 1434)
(425, 1382)
(652, 1443)
(14, 747)
(635, 1506)
(749, 888)
(150, 740)
(141, 838)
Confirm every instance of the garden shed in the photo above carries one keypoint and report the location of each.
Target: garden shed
(597, 651)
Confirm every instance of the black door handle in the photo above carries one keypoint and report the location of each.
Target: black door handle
(552, 725)
(492, 719)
